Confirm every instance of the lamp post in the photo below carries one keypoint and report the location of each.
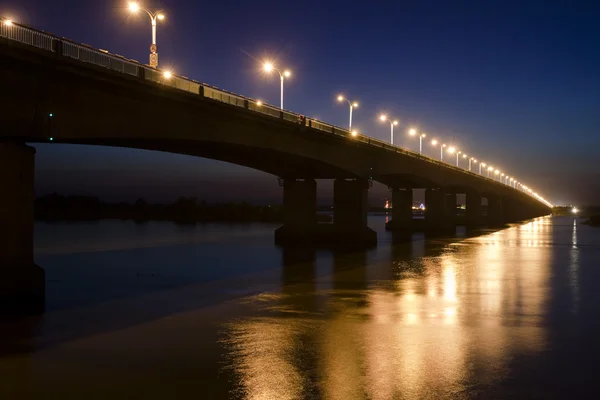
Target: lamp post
(490, 169)
(452, 150)
(134, 7)
(472, 160)
(413, 132)
(352, 105)
(457, 154)
(269, 67)
(465, 157)
(384, 118)
(481, 165)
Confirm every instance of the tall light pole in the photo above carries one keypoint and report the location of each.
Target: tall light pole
(413, 132)
(472, 160)
(481, 165)
(352, 104)
(490, 169)
(384, 118)
(457, 154)
(465, 157)
(269, 67)
(134, 7)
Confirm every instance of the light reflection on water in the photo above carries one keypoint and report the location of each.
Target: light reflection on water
(445, 326)
(221, 313)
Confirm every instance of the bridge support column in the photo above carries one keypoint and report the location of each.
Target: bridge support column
(402, 217)
(435, 210)
(451, 212)
(473, 212)
(299, 211)
(22, 283)
(350, 208)
(495, 212)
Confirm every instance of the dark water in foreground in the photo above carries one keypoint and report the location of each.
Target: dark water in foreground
(217, 311)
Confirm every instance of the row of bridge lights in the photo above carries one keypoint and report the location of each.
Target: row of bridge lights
(269, 67)
(491, 171)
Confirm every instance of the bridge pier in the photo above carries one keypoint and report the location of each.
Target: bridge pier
(349, 226)
(22, 283)
(402, 216)
(436, 207)
(495, 211)
(350, 207)
(473, 217)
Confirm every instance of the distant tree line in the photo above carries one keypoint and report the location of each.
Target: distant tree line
(56, 207)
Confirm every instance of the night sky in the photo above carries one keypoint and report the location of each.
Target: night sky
(514, 83)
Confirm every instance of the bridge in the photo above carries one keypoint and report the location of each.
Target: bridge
(56, 90)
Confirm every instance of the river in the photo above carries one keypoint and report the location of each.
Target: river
(159, 310)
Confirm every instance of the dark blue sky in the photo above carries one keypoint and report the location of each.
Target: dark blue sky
(513, 83)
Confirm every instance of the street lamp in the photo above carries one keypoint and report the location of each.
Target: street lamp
(472, 160)
(385, 118)
(134, 7)
(269, 67)
(434, 143)
(490, 169)
(457, 154)
(7, 22)
(497, 172)
(481, 165)
(413, 132)
(352, 106)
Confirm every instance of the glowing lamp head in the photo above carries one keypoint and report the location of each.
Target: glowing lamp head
(355, 104)
(464, 156)
(8, 22)
(134, 7)
(167, 74)
(268, 67)
(287, 73)
(490, 168)
(259, 103)
(451, 150)
(575, 210)
(383, 117)
(340, 98)
(160, 16)
(354, 133)
(496, 172)
(423, 135)
(434, 142)
(395, 122)
(412, 132)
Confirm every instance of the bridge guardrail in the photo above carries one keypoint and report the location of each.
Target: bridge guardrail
(27, 36)
(96, 57)
(88, 54)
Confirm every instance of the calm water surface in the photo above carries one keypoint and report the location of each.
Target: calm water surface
(217, 311)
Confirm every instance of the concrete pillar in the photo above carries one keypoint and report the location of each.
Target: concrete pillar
(350, 203)
(22, 283)
(402, 216)
(350, 208)
(473, 215)
(299, 203)
(450, 204)
(436, 210)
(495, 213)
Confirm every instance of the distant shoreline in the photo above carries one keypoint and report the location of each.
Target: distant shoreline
(185, 210)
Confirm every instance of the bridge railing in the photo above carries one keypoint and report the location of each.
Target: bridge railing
(27, 36)
(99, 57)
(102, 58)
